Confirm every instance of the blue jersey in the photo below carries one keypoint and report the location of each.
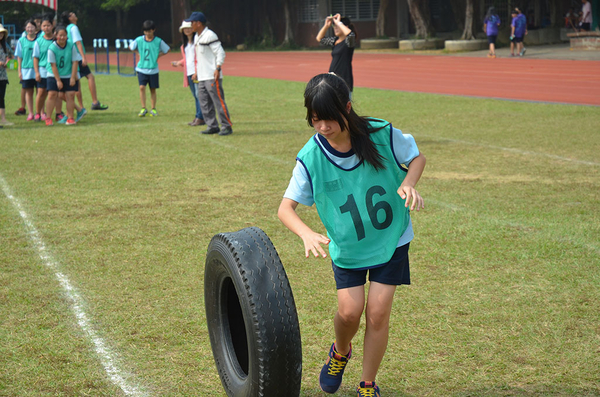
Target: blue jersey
(491, 24)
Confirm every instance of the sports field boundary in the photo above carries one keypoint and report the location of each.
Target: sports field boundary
(107, 357)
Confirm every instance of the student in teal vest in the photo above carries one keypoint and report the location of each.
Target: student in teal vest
(361, 174)
(24, 54)
(40, 63)
(70, 20)
(63, 59)
(149, 48)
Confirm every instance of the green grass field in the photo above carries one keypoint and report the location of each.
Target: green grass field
(505, 265)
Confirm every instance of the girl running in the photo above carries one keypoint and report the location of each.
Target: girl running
(63, 59)
(352, 170)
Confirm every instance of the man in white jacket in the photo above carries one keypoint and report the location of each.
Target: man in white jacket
(209, 59)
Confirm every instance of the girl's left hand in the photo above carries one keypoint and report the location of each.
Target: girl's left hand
(72, 81)
(406, 193)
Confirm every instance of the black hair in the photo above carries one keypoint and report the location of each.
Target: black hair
(185, 38)
(326, 97)
(30, 21)
(36, 16)
(46, 18)
(148, 25)
(350, 25)
(58, 29)
(64, 18)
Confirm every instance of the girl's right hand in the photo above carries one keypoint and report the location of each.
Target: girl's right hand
(59, 84)
(312, 243)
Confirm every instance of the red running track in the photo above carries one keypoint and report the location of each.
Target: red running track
(522, 79)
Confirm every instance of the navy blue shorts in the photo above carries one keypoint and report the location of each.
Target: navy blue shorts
(84, 70)
(517, 39)
(394, 272)
(52, 86)
(151, 79)
(492, 39)
(31, 83)
(43, 83)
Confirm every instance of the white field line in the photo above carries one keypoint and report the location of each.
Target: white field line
(106, 356)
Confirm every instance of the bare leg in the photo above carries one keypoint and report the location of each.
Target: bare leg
(92, 86)
(29, 100)
(379, 308)
(153, 97)
(143, 96)
(80, 97)
(39, 101)
(351, 303)
(70, 104)
(50, 102)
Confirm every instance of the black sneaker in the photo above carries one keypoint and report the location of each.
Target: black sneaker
(226, 131)
(210, 131)
(99, 106)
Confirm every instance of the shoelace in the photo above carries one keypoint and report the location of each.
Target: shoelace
(335, 366)
(366, 391)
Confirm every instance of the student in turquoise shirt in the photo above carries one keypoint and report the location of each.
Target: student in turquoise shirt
(24, 54)
(40, 63)
(353, 170)
(63, 59)
(149, 48)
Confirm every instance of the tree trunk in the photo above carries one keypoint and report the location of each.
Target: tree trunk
(180, 10)
(468, 31)
(288, 38)
(458, 8)
(420, 19)
(380, 23)
(119, 23)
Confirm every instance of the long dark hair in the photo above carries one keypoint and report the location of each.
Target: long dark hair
(325, 98)
(64, 18)
(185, 38)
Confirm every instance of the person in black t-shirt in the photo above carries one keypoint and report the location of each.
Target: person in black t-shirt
(342, 46)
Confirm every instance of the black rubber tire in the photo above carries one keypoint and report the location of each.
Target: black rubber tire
(251, 316)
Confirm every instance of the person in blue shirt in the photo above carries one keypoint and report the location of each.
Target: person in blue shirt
(361, 173)
(518, 30)
(149, 48)
(491, 23)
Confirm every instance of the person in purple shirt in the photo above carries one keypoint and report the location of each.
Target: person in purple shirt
(490, 26)
(518, 30)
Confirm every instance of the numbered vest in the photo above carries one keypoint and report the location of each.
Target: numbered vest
(149, 51)
(26, 52)
(64, 58)
(44, 44)
(360, 208)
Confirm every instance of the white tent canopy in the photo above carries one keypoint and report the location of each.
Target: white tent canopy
(48, 3)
